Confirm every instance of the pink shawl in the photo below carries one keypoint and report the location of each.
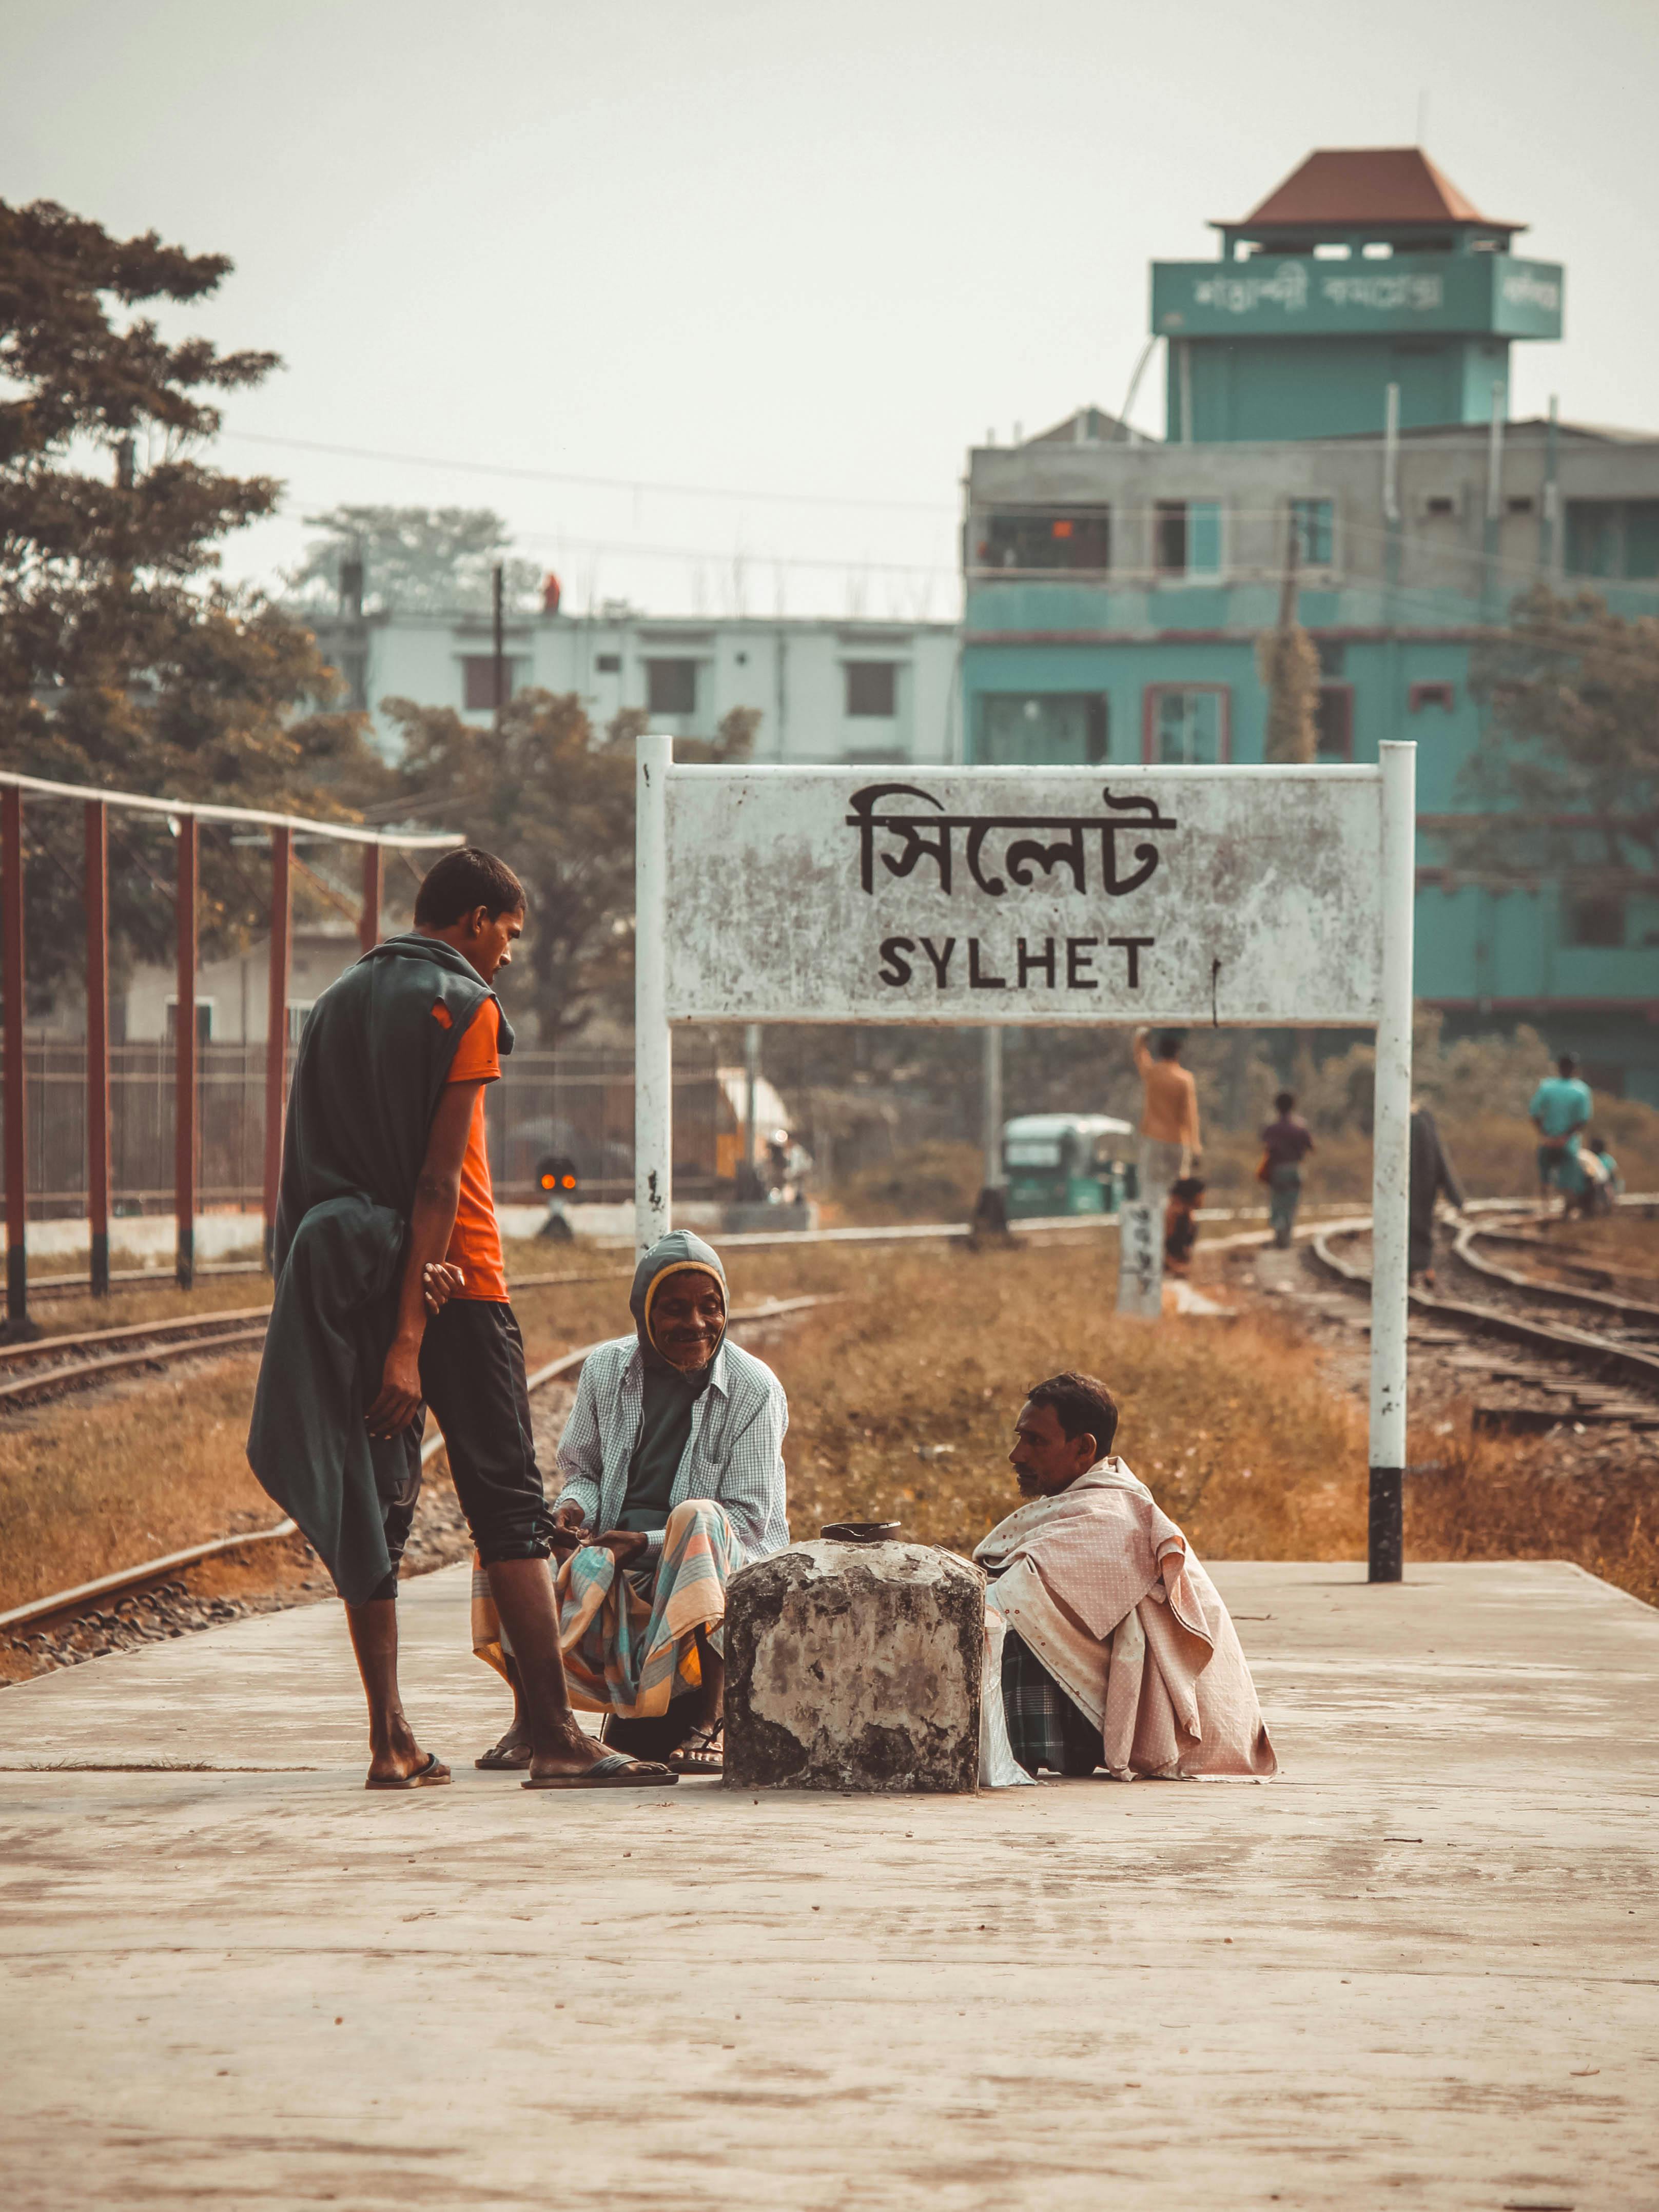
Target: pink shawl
(1102, 1586)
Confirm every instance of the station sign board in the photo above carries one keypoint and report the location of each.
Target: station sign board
(1099, 894)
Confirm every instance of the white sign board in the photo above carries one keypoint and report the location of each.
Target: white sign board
(1266, 895)
(1032, 895)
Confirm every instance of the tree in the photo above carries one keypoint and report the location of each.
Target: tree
(123, 661)
(556, 801)
(1570, 755)
(418, 560)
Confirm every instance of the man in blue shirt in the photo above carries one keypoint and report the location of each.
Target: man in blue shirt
(1560, 1108)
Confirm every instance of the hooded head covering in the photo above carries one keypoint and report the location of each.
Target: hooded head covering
(675, 1254)
(669, 1397)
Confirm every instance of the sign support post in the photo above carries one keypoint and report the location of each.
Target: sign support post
(1391, 1169)
(653, 1096)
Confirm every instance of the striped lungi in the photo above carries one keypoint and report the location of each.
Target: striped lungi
(630, 1639)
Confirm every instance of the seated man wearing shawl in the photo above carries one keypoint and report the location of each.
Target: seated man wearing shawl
(1118, 1651)
(673, 1479)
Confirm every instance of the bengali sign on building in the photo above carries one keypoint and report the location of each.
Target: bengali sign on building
(1110, 894)
(1443, 292)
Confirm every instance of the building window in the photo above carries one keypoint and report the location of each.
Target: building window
(297, 1010)
(478, 681)
(1521, 503)
(1186, 726)
(872, 689)
(1618, 539)
(608, 664)
(1044, 729)
(1186, 537)
(1595, 919)
(671, 687)
(1313, 522)
(1440, 502)
(1431, 695)
(1334, 723)
(1080, 537)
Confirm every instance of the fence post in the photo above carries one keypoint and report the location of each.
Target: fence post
(282, 935)
(369, 922)
(184, 1053)
(18, 1325)
(96, 895)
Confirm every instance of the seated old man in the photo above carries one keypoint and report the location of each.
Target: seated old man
(1118, 1651)
(673, 1478)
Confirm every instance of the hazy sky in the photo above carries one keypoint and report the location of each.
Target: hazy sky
(783, 250)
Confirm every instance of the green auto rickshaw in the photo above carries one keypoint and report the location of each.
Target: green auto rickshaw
(1059, 1163)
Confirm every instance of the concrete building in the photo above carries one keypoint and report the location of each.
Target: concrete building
(825, 690)
(1338, 379)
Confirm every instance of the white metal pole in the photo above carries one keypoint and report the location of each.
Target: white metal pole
(991, 1105)
(1391, 1165)
(654, 1094)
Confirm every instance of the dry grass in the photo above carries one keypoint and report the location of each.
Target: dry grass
(902, 1399)
(91, 1485)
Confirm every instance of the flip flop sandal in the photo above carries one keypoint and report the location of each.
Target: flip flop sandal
(499, 1757)
(424, 1778)
(702, 1753)
(613, 1771)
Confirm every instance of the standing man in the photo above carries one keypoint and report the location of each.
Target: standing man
(390, 1291)
(1560, 1108)
(1285, 1143)
(1432, 1176)
(1168, 1123)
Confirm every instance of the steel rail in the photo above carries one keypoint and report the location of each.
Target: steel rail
(33, 1389)
(1580, 1345)
(188, 1325)
(1606, 1301)
(126, 1579)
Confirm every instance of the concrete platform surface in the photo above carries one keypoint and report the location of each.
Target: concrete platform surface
(1419, 1969)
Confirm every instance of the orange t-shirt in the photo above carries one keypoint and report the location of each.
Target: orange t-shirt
(475, 1246)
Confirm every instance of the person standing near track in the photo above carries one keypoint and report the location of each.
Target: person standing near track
(390, 1294)
(1169, 1121)
(1560, 1111)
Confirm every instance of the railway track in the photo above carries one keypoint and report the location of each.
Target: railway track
(54, 1365)
(148, 1602)
(1579, 1371)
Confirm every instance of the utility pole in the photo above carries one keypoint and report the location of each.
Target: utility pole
(991, 1212)
(498, 642)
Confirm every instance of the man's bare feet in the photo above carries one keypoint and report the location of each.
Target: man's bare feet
(512, 1752)
(572, 1751)
(399, 1762)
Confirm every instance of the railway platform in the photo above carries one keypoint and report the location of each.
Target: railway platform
(1418, 1968)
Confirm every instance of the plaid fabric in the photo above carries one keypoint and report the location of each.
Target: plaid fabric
(630, 1639)
(1044, 1727)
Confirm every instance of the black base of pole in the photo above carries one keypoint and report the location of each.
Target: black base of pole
(100, 1267)
(1385, 1529)
(187, 1263)
(990, 1222)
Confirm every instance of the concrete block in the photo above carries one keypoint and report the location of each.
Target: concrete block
(854, 1666)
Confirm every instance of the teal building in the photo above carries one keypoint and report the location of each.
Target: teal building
(1337, 384)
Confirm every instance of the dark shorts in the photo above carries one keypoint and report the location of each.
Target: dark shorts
(472, 1375)
(1045, 1728)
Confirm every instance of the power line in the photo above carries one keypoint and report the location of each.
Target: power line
(584, 483)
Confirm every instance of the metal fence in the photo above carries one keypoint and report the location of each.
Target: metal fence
(581, 1105)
